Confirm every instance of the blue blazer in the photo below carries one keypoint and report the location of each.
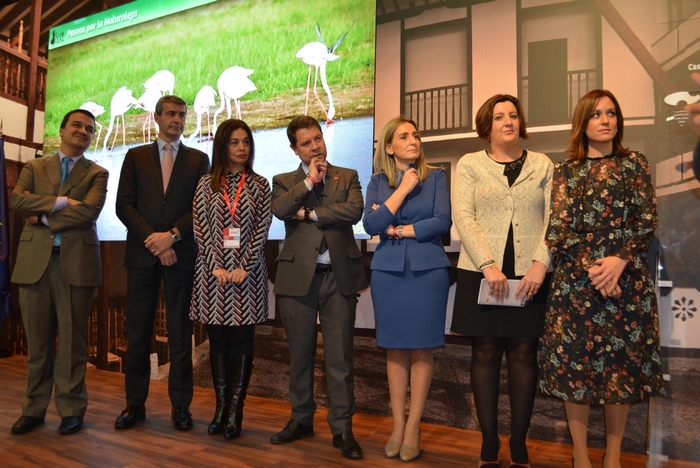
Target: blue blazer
(427, 208)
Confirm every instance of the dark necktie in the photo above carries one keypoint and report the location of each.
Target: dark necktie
(318, 190)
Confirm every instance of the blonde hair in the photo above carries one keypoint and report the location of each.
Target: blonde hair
(384, 163)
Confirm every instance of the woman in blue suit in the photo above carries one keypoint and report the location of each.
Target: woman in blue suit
(408, 206)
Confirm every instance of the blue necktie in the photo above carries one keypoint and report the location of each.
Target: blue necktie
(64, 174)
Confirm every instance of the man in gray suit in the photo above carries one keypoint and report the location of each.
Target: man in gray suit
(58, 266)
(319, 274)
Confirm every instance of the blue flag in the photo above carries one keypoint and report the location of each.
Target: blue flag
(5, 301)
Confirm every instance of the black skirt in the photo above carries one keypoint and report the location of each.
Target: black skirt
(472, 319)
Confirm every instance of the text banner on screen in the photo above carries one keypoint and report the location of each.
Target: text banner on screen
(117, 18)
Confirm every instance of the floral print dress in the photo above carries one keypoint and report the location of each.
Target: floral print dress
(596, 350)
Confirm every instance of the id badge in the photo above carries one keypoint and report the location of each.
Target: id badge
(232, 238)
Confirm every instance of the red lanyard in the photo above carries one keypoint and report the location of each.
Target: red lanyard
(232, 210)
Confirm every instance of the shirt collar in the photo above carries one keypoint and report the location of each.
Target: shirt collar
(61, 156)
(162, 143)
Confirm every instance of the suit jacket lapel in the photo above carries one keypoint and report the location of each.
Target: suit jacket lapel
(331, 184)
(154, 160)
(74, 176)
(52, 168)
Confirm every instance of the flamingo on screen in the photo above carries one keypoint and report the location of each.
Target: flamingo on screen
(96, 110)
(233, 84)
(163, 81)
(203, 103)
(317, 55)
(147, 102)
(121, 102)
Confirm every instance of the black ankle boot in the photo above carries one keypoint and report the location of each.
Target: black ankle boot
(240, 377)
(222, 389)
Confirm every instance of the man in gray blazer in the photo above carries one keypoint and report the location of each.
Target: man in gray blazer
(58, 266)
(319, 274)
(154, 201)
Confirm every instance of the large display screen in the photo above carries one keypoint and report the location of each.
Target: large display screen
(260, 59)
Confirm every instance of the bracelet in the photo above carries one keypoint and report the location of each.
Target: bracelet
(399, 232)
(490, 263)
(313, 181)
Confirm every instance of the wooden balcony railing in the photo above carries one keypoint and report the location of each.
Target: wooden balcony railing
(439, 110)
(14, 77)
(550, 99)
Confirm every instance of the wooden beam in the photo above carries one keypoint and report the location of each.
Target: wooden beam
(635, 45)
(35, 21)
(21, 141)
(17, 13)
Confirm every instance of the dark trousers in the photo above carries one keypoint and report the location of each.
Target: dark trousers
(143, 285)
(337, 315)
(52, 307)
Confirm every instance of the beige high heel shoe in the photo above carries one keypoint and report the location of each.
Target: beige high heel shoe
(392, 449)
(409, 452)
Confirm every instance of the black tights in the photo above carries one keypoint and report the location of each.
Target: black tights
(230, 340)
(521, 356)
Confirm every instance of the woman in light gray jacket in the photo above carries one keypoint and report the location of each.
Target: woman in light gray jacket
(501, 210)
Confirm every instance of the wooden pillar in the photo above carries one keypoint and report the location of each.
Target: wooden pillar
(34, 31)
(635, 45)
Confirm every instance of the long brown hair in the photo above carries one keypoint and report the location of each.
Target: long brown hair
(578, 141)
(219, 164)
(384, 163)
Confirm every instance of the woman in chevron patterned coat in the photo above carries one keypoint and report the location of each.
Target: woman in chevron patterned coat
(231, 215)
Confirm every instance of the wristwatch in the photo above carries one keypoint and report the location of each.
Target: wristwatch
(176, 237)
(307, 213)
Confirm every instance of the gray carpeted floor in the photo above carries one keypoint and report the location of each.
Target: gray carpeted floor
(450, 400)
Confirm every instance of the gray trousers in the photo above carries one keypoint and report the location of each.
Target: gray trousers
(337, 316)
(52, 308)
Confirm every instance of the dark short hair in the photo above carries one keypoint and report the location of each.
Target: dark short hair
(220, 153)
(64, 122)
(484, 116)
(178, 101)
(299, 122)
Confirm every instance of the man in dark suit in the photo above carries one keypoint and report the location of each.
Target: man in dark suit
(58, 266)
(319, 274)
(154, 201)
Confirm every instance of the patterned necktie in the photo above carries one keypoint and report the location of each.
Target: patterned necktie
(167, 165)
(64, 173)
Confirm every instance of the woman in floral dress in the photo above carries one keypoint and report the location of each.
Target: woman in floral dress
(601, 339)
